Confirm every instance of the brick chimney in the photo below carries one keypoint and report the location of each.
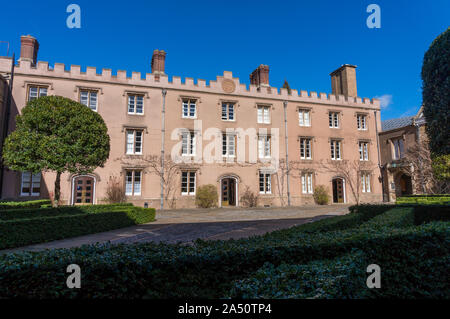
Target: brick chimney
(260, 77)
(343, 81)
(158, 62)
(29, 47)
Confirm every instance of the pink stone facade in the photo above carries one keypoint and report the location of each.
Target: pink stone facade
(254, 107)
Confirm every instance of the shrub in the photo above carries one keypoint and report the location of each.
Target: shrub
(443, 199)
(206, 196)
(115, 192)
(248, 198)
(321, 196)
(27, 204)
(68, 222)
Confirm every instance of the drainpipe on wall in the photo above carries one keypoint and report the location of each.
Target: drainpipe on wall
(163, 132)
(379, 157)
(287, 156)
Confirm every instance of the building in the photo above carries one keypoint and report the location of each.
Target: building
(225, 133)
(396, 138)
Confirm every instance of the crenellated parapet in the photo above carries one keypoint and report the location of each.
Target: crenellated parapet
(224, 85)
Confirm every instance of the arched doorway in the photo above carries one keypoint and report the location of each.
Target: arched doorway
(83, 190)
(229, 191)
(338, 190)
(405, 185)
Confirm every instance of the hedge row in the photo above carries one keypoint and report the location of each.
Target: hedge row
(439, 200)
(21, 232)
(28, 204)
(205, 269)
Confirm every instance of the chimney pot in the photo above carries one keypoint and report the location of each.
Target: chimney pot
(260, 76)
(29, 47)
(158, 62)
(343, 81)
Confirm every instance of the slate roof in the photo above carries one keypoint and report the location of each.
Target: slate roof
(393, 124)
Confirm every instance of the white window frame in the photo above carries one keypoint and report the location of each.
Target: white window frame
(363, 151)
(336, 150)
(134, 142)
(225, 109)
(132, 183)
(264, 146)
(41, 90)
(333, 119)
(304, 117)
(265, 183)
(365, 182)
(307, 183)
(361, 122)
(398, 148)
(134, 98)
(305, 147)
(33, 178)
(89, 100)
(229, 144)
(190, 179)
(186, 105)
(263, 114)
(188, 143)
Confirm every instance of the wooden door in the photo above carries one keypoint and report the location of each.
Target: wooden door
(225, 191)
(83, 190)
(338, 190)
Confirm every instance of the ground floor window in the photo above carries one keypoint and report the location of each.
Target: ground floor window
(265, 183)
(133, 183)
(31, 184)
(365, 182)
(187, 183)
(307, 186)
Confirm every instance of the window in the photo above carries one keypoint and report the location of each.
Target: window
(265, 186)
(31, 184)
(307, 183)
(399, 148)
(264, 114)
(361, 121)
(189, 108)
(35, 92)
(134, 142)
(133, 183)
(304, 118)
(305, 148)
(228, 144)
(264, 146)
(188, 143)
(365, 182)
(335, 149)
(333, 118)
(188, 183)
(89, 98)
(135, 104)
(363, 151)
(227, 111)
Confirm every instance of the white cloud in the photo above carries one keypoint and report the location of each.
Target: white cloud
(385, 100)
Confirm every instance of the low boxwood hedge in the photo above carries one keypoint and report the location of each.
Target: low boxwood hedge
(72, 222)
(27, 204)
(422, 199)
(208, 269)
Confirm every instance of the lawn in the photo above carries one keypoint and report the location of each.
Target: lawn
(326, 259)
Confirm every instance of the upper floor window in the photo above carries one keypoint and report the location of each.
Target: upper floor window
(365, 182)
(304, 117)
(264, 114)
(133, 183)
(228, 144)
(189, 108)
(305, 148)
(335, 149)
(134, 142)
(265, 183)
(188, 183)
(333, 119)
(264, 146)
(363, 151)
(89, 98)
(31, 184)
(228, 111)
(36, 91)
(135, 104)
(307, 187)
(398, 148)
(188, 143)
(361, 121)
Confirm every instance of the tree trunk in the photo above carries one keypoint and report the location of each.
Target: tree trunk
(57, 189)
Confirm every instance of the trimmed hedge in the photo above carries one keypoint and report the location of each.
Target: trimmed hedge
(70, 223)
(209, 269)
(28, 204)
(424, 199)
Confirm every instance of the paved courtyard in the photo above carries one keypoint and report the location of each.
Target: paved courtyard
(174, 226)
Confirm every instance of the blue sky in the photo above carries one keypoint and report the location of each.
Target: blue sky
(301, 41)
